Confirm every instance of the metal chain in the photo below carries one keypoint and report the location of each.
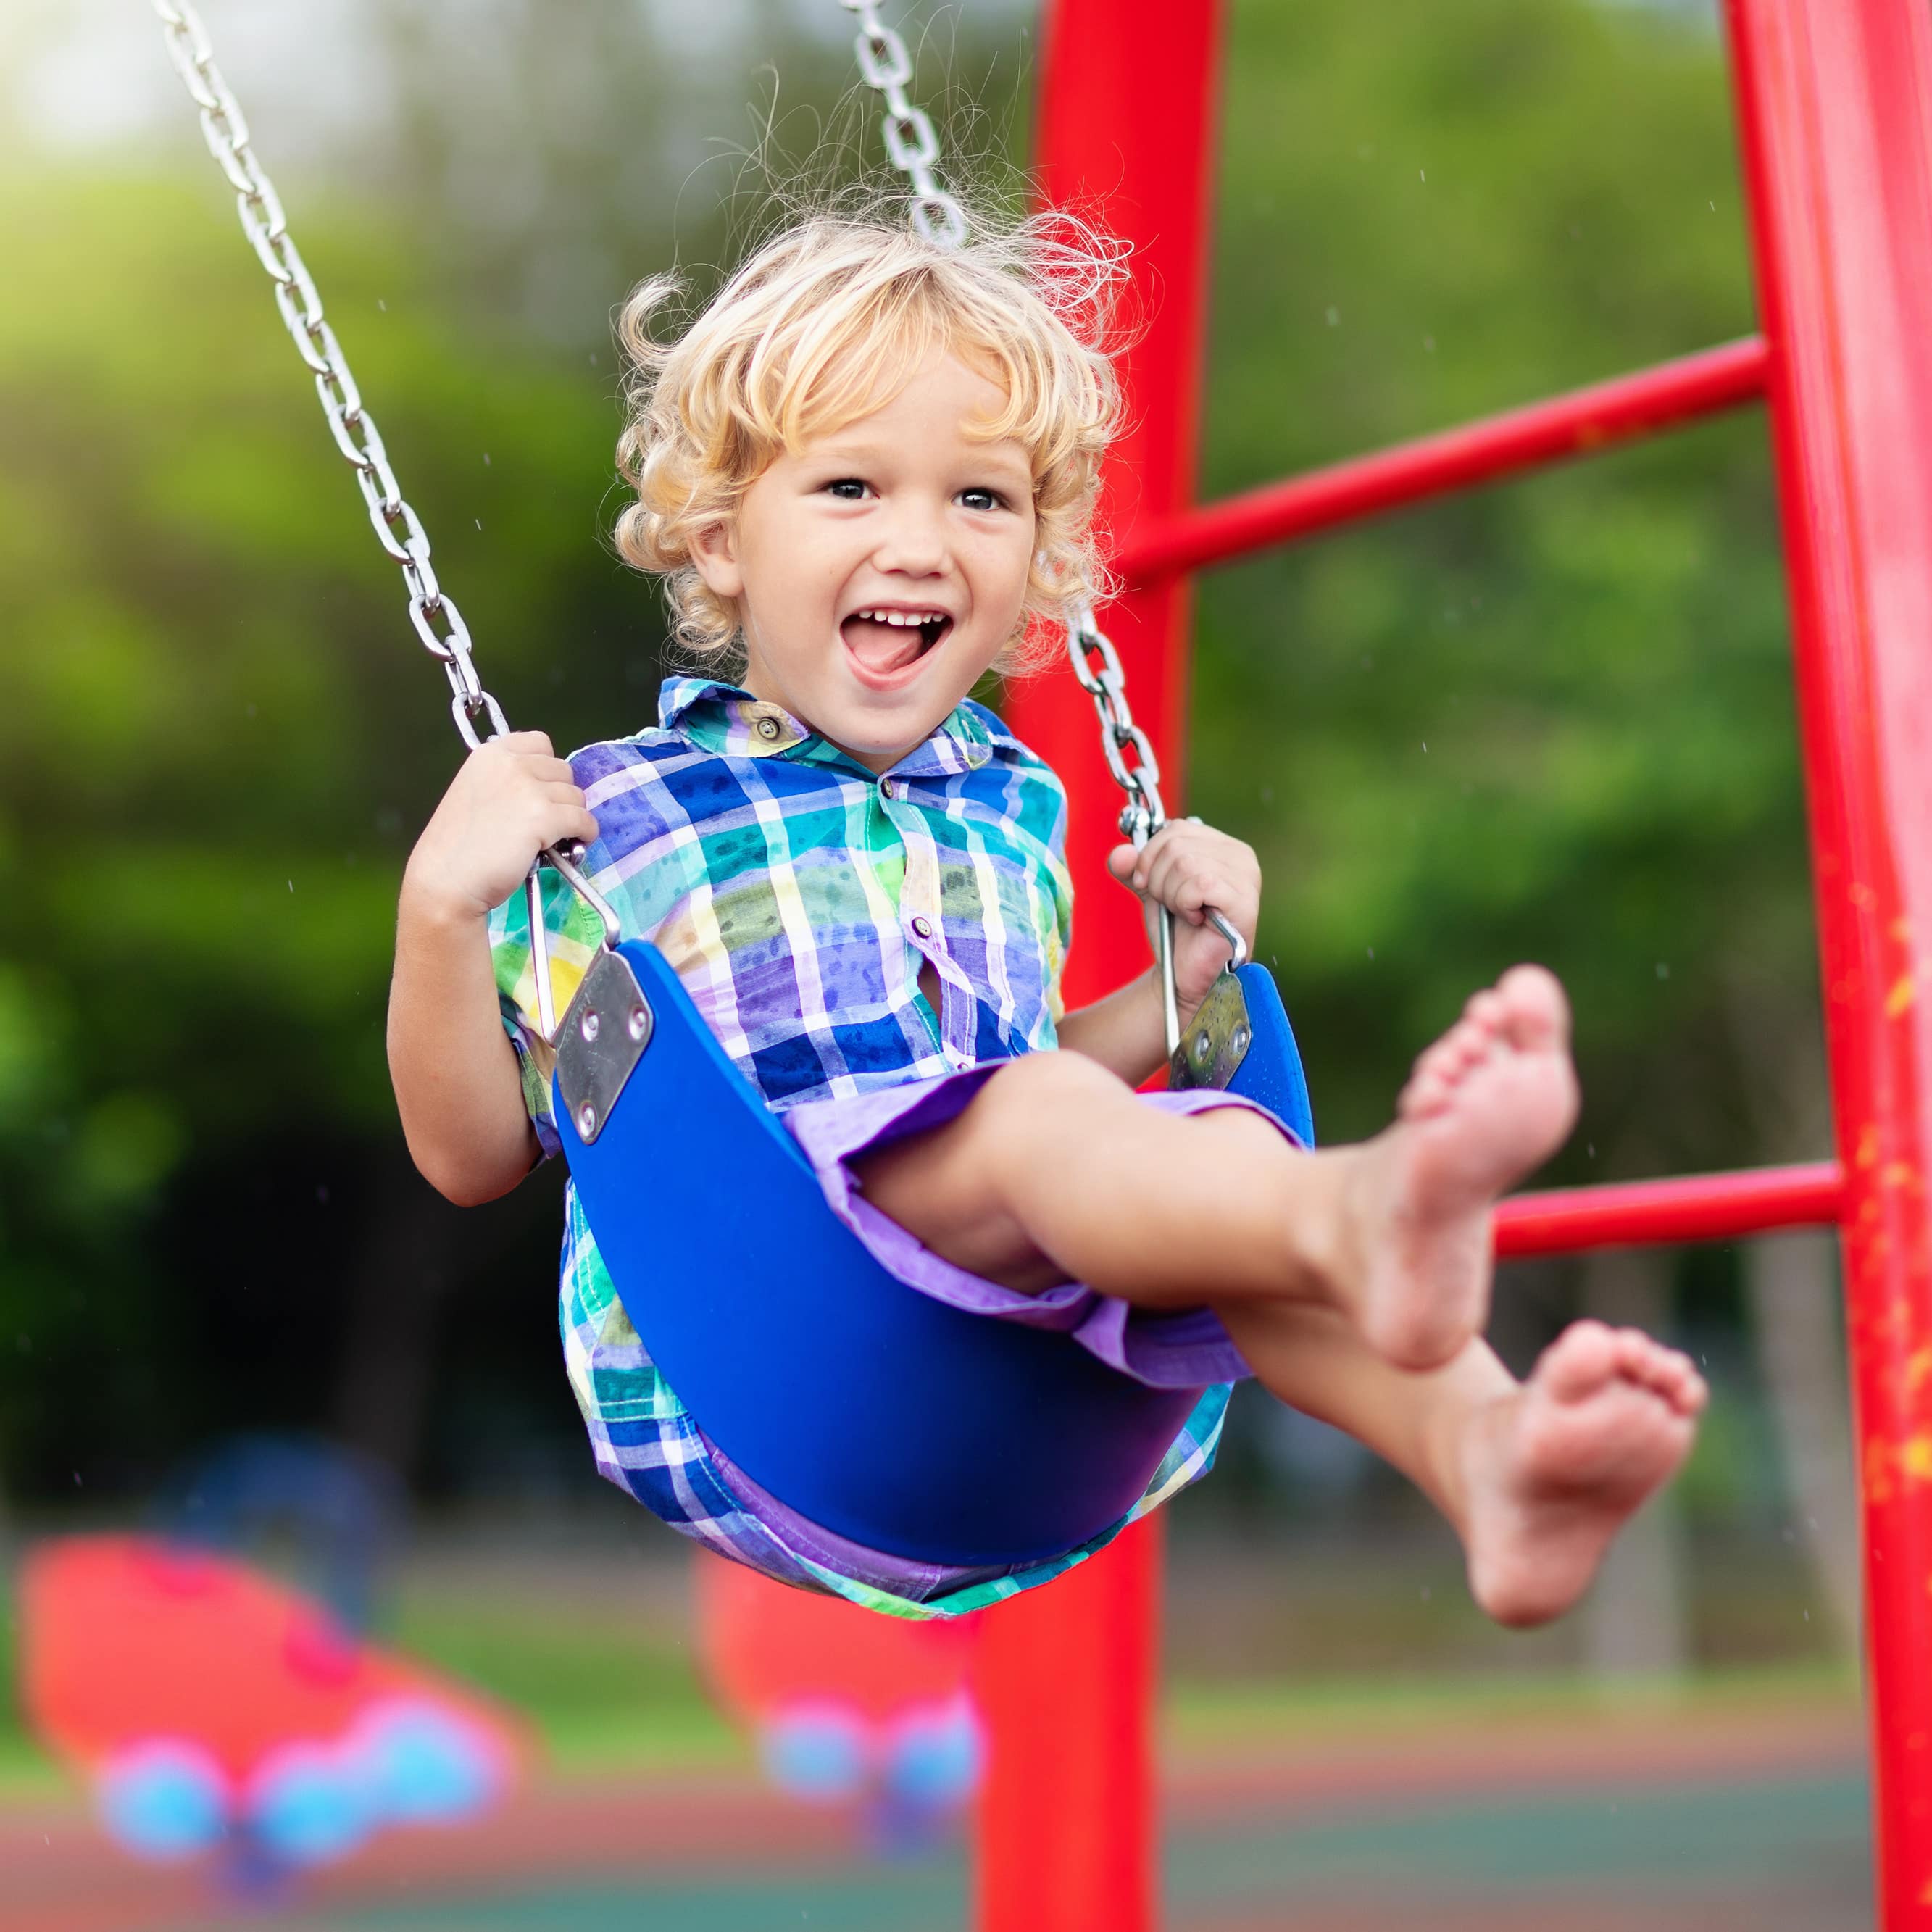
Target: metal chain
(885, 63)
(398, 529)
(1129, 752)
(912, 144)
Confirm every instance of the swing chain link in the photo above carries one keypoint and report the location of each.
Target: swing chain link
(885, 64)
(432, 611)
(912, 141)
(1097, 665)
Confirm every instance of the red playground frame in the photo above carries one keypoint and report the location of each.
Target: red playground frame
(1835, 111)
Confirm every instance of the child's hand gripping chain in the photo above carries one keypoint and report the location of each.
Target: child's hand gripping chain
(1192, 871)
(510, 798)
(458, 1086)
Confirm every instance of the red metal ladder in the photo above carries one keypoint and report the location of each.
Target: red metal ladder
(1835, 109)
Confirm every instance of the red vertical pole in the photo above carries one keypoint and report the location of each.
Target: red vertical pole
(1126, 128)
(1835, 108)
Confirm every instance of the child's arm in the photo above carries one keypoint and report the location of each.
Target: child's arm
(1187, 868)
(454, 1071)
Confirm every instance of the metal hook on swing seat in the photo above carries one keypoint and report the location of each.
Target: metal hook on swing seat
(1237, 946)
(566, 864)
(609, 1021)
(1220, 1032)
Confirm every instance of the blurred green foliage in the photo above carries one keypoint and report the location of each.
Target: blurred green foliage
(1552, 719)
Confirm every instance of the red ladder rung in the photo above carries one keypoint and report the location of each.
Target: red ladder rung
(1642, 1213)
(1574, 424)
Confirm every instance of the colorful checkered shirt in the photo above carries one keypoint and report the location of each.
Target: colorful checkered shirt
(797, 894)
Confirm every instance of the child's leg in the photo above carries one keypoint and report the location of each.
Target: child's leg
(1536, 1476)
(1056, 1172)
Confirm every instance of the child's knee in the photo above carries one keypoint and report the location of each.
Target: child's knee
(1045, 1093)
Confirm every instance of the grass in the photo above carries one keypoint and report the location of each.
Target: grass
(604, 1683)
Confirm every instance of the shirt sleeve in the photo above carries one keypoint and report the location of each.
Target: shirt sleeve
(572, 931)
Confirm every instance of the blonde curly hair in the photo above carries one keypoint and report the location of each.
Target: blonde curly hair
(824, 324)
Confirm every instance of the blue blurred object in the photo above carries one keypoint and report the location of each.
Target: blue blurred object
(342, 1512)
(420, 1766)
(817, 1751)
(167, 1799)
(307, 1803)
(934, 1757)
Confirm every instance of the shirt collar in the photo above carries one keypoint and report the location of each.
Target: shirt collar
(726, 719)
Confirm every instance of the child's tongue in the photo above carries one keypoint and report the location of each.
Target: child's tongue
(882, 648)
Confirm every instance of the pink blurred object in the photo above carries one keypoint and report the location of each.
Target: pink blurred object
(845, 1705)
(209, 1705)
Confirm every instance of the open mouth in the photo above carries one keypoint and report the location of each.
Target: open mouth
(885, 641)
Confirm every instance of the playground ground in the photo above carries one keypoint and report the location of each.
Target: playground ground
(1743, 1808)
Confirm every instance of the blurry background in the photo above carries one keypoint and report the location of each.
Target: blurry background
(1551, 720)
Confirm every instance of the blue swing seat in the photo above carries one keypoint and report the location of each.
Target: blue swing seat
(906, 1425)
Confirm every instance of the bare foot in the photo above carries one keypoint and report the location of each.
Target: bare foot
(1552, 1472)
(1491, 1100)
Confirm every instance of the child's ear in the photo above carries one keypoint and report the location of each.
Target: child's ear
(714, 550)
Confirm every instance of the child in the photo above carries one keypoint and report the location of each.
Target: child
(867, 472)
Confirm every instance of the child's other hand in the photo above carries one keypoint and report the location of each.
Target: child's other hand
(1187, 867)
(510, 798)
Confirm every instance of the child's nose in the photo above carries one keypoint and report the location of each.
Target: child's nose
(914, 541)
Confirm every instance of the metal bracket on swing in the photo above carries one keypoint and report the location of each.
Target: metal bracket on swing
(608, 1023)
(1218, 1037)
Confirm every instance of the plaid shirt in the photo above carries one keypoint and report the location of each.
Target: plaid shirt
(797, 895)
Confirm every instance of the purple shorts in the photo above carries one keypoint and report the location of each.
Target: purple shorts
(1187, 1350)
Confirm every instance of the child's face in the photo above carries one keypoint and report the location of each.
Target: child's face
(901, 514)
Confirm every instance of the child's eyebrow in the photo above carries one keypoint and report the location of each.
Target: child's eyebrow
(1005, 452)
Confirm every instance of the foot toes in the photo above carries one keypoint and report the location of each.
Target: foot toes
(1647, 1361)
(1679, 1383)
(1433, 1081)
(1579, 1361)
(1487, 1009)
(1537, 1011)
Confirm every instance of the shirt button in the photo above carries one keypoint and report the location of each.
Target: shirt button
(922, 926)
(768, 728)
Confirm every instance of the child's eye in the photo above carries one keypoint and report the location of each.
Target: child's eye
(848, 489)
(983, 499)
